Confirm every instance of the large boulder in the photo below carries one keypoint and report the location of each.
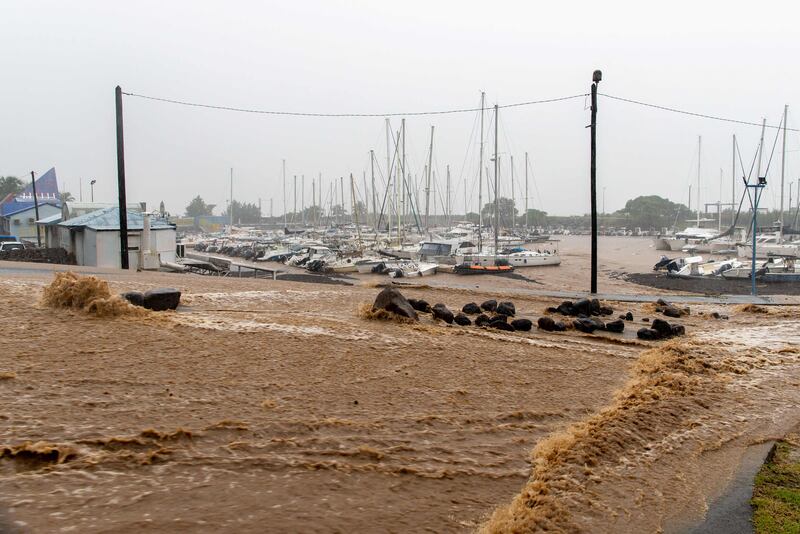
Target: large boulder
(502, 326)
(595, 303)
(165, 298)
(559, 326)
(582, 307)
(482, 320)
(489, 305)
(648, 334)
(420, 305)
(585, 324)
(506, 308)
(498, 319)
(462, 320)
(678, 330)
(134, 297)
(441, 312)
(546, 323)
(523, 325)
(663, 328)
(566, 308)
(615, 326)
(393, 301)
(471, 309)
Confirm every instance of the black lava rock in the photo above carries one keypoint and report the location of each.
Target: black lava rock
(616, 326)
(482, 320)
(506, 308)
(471, 309)
(546, 323)
(566, 308)
(671, 311)
(489, 305)
(582, 307)
(648, 334)
(162, 299)
(498, 319)
(663, 328)
(393, 301)
(595, 306)
(606, 310)
(462, 320)
(629, 316)
(559, 326)
(552, 309)
(502, 326)
(134, 297)
(678, 330)
(585, 325)
(440, 311)
(523, 325)
(420, 305)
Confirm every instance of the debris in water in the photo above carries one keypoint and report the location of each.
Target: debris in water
(392, 301)
(86, 293)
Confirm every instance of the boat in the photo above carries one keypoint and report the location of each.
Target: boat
(465, 268)
(514, 257)
(695, 267)
(411, 269)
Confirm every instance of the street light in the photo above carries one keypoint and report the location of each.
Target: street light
(596, 77)
(91, 184)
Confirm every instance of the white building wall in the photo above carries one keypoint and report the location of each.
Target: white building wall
(89, 247)
(164, 239)
(23, 225)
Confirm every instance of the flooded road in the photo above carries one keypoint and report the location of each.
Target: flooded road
(272, 406)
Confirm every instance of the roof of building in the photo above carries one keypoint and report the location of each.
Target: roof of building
(108, 219)
(47, 221)
(19, 207)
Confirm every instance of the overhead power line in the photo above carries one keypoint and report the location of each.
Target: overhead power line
(691, 113)
(302, 114)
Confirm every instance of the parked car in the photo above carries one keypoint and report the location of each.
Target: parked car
(11, 245)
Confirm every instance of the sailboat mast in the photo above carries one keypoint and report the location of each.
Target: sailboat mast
(447, 204)
(496, 175)
(526, 192)
(513, 197)
(480, 182)
(428, 185)
(374, 200)
(783, 163)
(403, 183)
(303, 197)
(285, 225)
(699, 152)
(355, 211)
(231, 208)
(733, 181)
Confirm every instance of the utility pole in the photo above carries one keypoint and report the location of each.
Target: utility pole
(91, 185)
(596, 77)
(123, 207)
(36, 209)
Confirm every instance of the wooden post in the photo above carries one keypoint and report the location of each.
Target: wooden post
(123, 212)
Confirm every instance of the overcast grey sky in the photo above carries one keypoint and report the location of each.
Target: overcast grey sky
(60, 62)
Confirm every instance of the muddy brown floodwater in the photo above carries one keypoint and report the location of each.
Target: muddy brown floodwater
(272, 406)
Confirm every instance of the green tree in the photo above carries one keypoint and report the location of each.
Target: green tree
(198, 208)
(10, 185)
(66, 196)
(535, 218)
(244, 212)
(506, 208)
(652, 212)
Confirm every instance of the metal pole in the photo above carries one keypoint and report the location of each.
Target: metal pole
(123, 212)
(596, 77)
(783, 164)
(231, 207)
(526, 192)
(294, 191)
(428, 185)
(699, 151)
(447, 204)
(733, 180)
(36, 209)
(513, 197)
(480, 183)
(753, 260)
(285, 225)
(496, 184)
(303, 197)
(374, 194)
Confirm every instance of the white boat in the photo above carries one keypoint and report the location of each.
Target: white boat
(695, 266)
(525, 258)
(411, 269)
(766, 245)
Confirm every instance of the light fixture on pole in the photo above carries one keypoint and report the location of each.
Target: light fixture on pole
(758, 190)
(91, 184)
(596, 77)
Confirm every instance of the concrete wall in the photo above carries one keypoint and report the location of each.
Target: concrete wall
(101, 248)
